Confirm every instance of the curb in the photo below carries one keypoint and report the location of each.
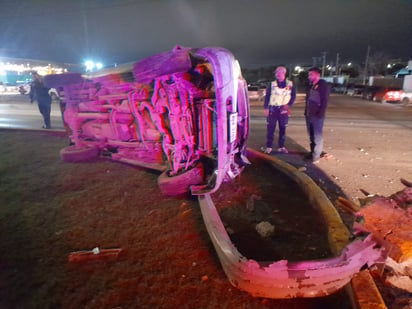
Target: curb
(362, 289)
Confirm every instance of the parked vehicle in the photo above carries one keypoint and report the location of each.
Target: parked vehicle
(338, 88)
(256, 91)
(184, 112)
(382, 94)
(353, 90)
(406, 98)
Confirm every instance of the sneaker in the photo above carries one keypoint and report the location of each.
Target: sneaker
(266, 150)
(283, 150)
(316, 161)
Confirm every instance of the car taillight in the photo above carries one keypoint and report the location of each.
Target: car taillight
(393, 95)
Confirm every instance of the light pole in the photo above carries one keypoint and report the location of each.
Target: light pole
(365, 71)
(323, 63)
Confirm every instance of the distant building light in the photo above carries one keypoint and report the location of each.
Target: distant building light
(89, 64)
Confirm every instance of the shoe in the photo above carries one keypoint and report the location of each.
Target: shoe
(44, 127)
(283, 150)
(316, 161)
(266, 150)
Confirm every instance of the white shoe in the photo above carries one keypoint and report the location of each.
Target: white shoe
(283, 150)
(266, 150)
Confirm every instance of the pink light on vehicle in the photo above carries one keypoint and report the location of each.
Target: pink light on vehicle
(394, 95)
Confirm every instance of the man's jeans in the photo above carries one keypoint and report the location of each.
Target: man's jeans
(276, 115)
(45, 110)
(314, 125)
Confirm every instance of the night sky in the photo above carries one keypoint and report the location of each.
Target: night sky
(258, 32)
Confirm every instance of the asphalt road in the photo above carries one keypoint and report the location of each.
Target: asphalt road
(369, 144)
(16, 112)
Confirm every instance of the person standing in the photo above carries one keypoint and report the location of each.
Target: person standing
(40, 93)
(317, 96)
(280, 96)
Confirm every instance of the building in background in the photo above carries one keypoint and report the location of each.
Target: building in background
(17, 71)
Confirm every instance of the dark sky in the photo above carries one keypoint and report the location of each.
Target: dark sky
(258, 32)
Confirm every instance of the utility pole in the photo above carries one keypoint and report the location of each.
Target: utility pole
(365, 71)
(337, 64)
(323, 63)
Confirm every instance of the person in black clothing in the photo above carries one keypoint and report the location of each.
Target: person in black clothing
(40, 93)
(317, 96)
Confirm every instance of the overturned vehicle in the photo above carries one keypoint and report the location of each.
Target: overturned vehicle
(184, 113)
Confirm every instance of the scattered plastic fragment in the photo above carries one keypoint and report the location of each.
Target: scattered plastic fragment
(94, 254)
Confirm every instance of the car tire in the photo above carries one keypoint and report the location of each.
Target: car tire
(405, 101)
(78, 154)
(180, 184)
(374, 99)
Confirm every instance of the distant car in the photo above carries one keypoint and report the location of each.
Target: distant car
(406, 98)
(353, 90)
(338, 88)
(382, 94)
(256, 91)
(253, 92)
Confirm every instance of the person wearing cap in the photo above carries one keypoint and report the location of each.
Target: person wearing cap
(317, 96)
(40, 93)
(280, 96)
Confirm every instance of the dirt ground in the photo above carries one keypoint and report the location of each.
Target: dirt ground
(50, 209)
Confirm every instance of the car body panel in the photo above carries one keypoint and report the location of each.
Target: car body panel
(406, 98)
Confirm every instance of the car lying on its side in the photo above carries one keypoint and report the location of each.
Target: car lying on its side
(184, 112)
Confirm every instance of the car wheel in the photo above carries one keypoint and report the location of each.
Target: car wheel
(78, 154)
(180, 184)
(374, 99)
(405, 101)
(383, 101)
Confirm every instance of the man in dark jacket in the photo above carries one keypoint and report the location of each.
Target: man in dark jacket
(40, 93)
(317, 96)
(280, 96)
